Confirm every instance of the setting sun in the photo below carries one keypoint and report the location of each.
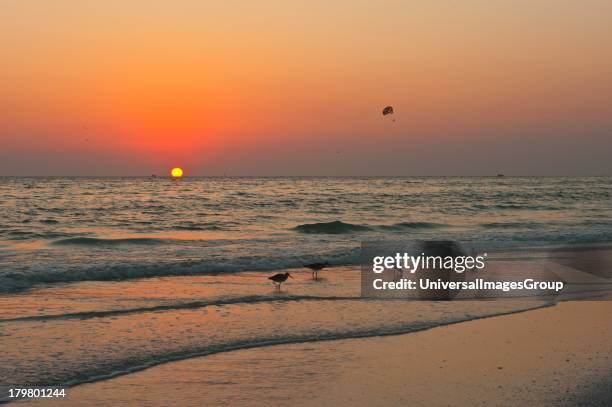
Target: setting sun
(177, 172)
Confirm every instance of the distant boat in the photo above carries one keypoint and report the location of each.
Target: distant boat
(500, 175)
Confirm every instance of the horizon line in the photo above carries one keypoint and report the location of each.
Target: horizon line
(313, 176)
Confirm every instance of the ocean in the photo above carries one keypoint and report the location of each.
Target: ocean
(105, 276)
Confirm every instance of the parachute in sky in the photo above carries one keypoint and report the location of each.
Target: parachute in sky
(387, 110)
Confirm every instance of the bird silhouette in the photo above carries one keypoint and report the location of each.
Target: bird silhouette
(279, 278)
(316, 267)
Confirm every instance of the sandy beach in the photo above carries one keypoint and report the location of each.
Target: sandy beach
(557, 355)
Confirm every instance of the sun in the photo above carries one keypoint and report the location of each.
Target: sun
(176, 172)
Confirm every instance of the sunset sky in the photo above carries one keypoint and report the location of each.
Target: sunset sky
(297, 88)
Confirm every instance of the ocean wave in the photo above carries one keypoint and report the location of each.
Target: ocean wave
(509, 225)
(250, 299)
(196, 227)
(516, 206)
(138, 363)
(412, 225)
(333, 228)
(93, 241)
(19, 235)
(339, 227)
(13, 281)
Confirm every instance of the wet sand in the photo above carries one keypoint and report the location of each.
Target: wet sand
(559, 355)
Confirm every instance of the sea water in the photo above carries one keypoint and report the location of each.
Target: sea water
(105, 276)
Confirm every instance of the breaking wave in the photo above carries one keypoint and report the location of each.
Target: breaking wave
(11, 281)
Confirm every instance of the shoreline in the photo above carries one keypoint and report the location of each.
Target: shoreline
(565, 352)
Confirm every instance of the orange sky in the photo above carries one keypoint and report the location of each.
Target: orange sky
(278, 87)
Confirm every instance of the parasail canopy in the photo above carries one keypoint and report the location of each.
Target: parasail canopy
(387, 110)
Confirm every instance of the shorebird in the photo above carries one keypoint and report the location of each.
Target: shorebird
(279, 278)
(316, 267)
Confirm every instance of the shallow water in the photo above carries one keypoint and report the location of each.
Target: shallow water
(88, 331)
